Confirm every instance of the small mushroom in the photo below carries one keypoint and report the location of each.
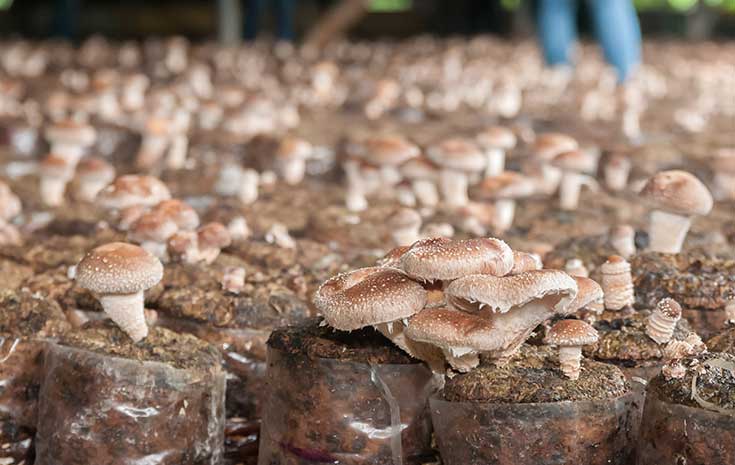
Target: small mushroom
(132, 190)
(55, 172)
(496, 141)
(622, 239)
(118, 273)
(93, 174)
(405, 225)
(458, 159)
(504, 190)
(616, 171)
(660, 325)
(576, 166)
(575, 267)
(291, 157)
(10, 205)
(423, 175)
(570, 336)
(545, 148)
(676, 196)
(617, 283)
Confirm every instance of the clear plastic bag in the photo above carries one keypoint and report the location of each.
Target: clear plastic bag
(587, 432)
(332, 411)
(678, 434)
(104, 410)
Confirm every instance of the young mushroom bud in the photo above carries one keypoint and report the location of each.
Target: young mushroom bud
(617, 283)
(211, 239)
(504, 190)
(576, 167)
(570, 336)
(495, 141)
(291, 159)
(458, 160)
(93, 174)
(118, 273)
(248, 192)
(575, 267)
(404, 226)
(676, 196)
(660, 325)
(622, 239)
(616, 171)
(55, 173)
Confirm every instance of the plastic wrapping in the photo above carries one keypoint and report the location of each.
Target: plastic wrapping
(586, 432)
(99, 409)
(21, 361)
(678, 434)
(331, 411)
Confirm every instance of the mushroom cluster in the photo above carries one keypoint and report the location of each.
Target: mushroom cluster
(446, 301)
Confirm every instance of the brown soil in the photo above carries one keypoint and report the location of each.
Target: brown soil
(534, 376)
(723, 342)
(714, 383)
(13, 274)
(177, 350)
(24, 315)
(314, 341)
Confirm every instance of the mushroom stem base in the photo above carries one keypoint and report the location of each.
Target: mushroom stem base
(667, 231)
(569, 360)
(127, 311)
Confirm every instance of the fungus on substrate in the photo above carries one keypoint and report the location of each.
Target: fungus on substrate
(617, 282)
(662, 321)
(458, 159)
(676, 196)
(570, 336)
(118, 273)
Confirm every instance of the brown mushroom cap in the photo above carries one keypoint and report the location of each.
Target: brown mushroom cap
(677, 192)
(118, 268)
(497, 137)
(570, 333)
(444, 259)
(547, 146)
(294, 148)
(129, 190)
(214, 235)
(419, 168)
(502, 293)
(457, 154)
(577, 161)
(670, 308)
(368, 296)
(386, 150)
(54, 166)
(152, 226)
(506, 185)
(94, 168)
(71, 132)
(181, 213)
(447, 328)
(589, 292)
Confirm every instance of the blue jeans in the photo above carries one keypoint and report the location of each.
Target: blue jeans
(616, 26)
(284, 18)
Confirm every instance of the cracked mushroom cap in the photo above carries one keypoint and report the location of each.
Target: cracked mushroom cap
(388, 150)
(294, 148)
(571, 333)
(368, 296)
(549, 145)
(500, 294)
(589, 292)
(95, 169)
(447, 328)
(506, 185)
(457, 154)
(180, 212)
(497, 137)
(130, 190)
(444, 259)
(118, 268)
(677, 192)
(71, 132)
(578, 161)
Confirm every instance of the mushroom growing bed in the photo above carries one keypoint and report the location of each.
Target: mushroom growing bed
(418, 252)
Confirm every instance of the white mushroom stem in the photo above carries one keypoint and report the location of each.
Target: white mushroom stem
(292, 171)
(176, 157)
(616, 176)
(505, 210)
(127, 311)
(624, 245)
(570, 188)
(389, 176)
(453, 185)
(462, 359)
(52, 190)
(570, 359)
(551, 178)
(660, 328)
(495, 162)
(355, 200)
(667, 231)
(72, 153)
(151, 150)
(89, 189)
(405, 196)
(724, 186)
(248, 192)
(426, 192)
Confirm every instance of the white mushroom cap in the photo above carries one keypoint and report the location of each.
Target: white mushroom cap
(118, 268)
(457, 154)
(677, 192)
(445, 259)
(367, 297)
(500, 294)
(578, 161)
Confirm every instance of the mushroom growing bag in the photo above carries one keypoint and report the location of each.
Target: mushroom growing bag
(21, 362)
(672, 433)
(100, 409)
(584, 432)
(330, 411)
